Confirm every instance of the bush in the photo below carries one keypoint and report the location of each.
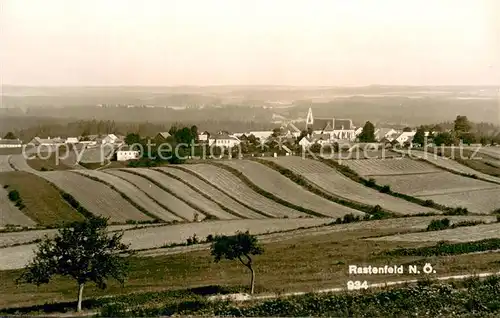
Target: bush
(437, 225)
(385, 189)
(14, 196)
(192, 240)
(498, 218)
(371, 183)
(43, 169)
(428, 203)
(457, 211)
(6, 186)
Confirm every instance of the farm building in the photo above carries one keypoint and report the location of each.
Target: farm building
(385, 134)
(338, 129)
(72, 140)
(223, 140)
(405, 137)
(111, 139)
(37, 141)
(10, 143)
(127, 153)
(203, 137)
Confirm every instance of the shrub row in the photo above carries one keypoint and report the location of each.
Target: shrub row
(443, 248)
(75, 204)
(376, 211)
(15, 197)
(425, 299)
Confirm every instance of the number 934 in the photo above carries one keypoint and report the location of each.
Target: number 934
(357, 285)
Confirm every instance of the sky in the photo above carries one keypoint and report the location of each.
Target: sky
(249, 42)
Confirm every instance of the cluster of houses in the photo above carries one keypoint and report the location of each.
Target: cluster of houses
(320, 130)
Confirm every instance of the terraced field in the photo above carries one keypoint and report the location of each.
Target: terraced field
(43, 203)
(96, 154)
(460, 234)
(19, 162)
(133, 193)
(154, 237)
(447, 189)
(216, 195)
(274, 182)
(432, 184)
(4, 163)
(95, 196)
(333, 182)
(184, 192)
(228, 183)
(172, 203)
(11, 214)
(453, 165)
(480, 201)
(384, 167)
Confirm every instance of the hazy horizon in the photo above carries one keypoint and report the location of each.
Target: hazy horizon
(277, 43)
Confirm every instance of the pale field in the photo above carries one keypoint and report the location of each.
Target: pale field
(184, 192)
(382, 167)
(154, 237)
(234, 187)
(460, 234)
(274, 182)
(4, 163)
(95, 196)
(24, 237)
(9, 214)
(133, 193)
(335, 183)
(434, 183)
(479, 201)
(173, 204)
(216, 195)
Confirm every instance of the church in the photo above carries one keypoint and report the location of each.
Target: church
(337, 129)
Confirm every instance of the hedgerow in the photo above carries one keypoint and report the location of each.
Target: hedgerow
(426, 299)
(444, 249)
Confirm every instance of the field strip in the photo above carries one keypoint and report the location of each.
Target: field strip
(179, 189)
(331, 181)
(4, 163)
(215, 194)
(275, 183)
(460, 234)
(18, 162)
(130, 191)
(403, 166)
(157, 236)
(451, 165)
(10, 214)
(26, 237)
(238, 190)
(178, 210)
(95, 196)
(211, 193)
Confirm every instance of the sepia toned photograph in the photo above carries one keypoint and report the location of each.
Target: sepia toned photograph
(250, 158)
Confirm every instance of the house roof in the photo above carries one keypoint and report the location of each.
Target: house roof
(330, 124)
(10, 141)
(48, 140)
(164, 134)
(321, 136)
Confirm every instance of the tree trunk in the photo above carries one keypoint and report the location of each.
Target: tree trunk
(80, 296)
(252, 284)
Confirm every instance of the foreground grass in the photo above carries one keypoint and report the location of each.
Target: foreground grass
(298, 264)
(43, 203)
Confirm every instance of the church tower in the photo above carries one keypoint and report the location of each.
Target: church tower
(309, 118)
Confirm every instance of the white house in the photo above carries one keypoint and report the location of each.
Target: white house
(37, 141)
(110, 139)
(10, 143)
(387, 133)
(126, 153)
(72, 140)
(306, 142)
(406, 136)
(223, 141)
(203, 137)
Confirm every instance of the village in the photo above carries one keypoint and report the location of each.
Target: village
(290, 136)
